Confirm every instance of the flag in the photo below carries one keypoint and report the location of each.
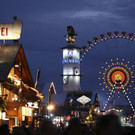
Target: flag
(51, 99)
(37, 78)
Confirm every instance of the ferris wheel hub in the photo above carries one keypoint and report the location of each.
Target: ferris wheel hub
(117, 73)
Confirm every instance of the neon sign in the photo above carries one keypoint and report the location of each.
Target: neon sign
(83, 99)
(71, 61)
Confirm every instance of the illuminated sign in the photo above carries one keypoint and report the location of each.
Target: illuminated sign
(71, 61)
(83, 99)
(70, 53)
(26, 111)
(11, 31)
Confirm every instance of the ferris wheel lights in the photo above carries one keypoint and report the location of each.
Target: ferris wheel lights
(111, 60)
(116, 33)
(123, 34)
(130, 35)
(89, 43)
(84, 48)
(106, 63)
(95, 39)
(109, 34)
(102, 36)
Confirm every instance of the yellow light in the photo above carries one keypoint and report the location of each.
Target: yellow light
(50, 107)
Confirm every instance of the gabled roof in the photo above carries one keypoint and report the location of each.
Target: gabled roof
(9, 55)
(52, 88)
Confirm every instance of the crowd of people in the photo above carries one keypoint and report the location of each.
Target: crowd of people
(105, 125)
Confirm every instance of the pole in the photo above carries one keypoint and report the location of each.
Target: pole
(3, 42)
(48, 102)
(20, 90)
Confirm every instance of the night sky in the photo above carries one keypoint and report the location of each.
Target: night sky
(44, 27)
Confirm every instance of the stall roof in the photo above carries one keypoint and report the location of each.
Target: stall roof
(9, 54)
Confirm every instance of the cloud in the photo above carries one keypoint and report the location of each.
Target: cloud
(91, 14)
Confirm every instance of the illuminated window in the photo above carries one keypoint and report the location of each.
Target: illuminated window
(76, 71)
(65, 79)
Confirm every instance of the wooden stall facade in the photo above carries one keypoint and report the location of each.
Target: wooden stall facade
(16, 87)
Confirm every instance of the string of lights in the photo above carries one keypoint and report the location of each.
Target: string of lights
(110, 95)
(129, 101)
(104, 38)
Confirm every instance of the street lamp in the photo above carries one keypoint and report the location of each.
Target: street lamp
(50, 107)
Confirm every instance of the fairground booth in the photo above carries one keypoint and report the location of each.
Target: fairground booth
(19, 97)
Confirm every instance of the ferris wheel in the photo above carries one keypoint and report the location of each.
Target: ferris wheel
(111, 65)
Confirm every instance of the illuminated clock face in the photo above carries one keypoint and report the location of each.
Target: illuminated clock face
(70, 53)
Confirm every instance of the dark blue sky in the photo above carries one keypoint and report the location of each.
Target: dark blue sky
(44, 27)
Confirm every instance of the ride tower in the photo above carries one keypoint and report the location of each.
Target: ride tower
(71, 62)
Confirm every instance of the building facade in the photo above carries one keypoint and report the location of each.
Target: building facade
(18, 97)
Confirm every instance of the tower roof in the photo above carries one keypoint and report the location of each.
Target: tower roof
(70, 47)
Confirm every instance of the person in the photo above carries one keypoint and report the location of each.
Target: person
(18, 131)
(48, 128)
(108, 125)
(85, 130)
(4, 130)
(74, 127)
